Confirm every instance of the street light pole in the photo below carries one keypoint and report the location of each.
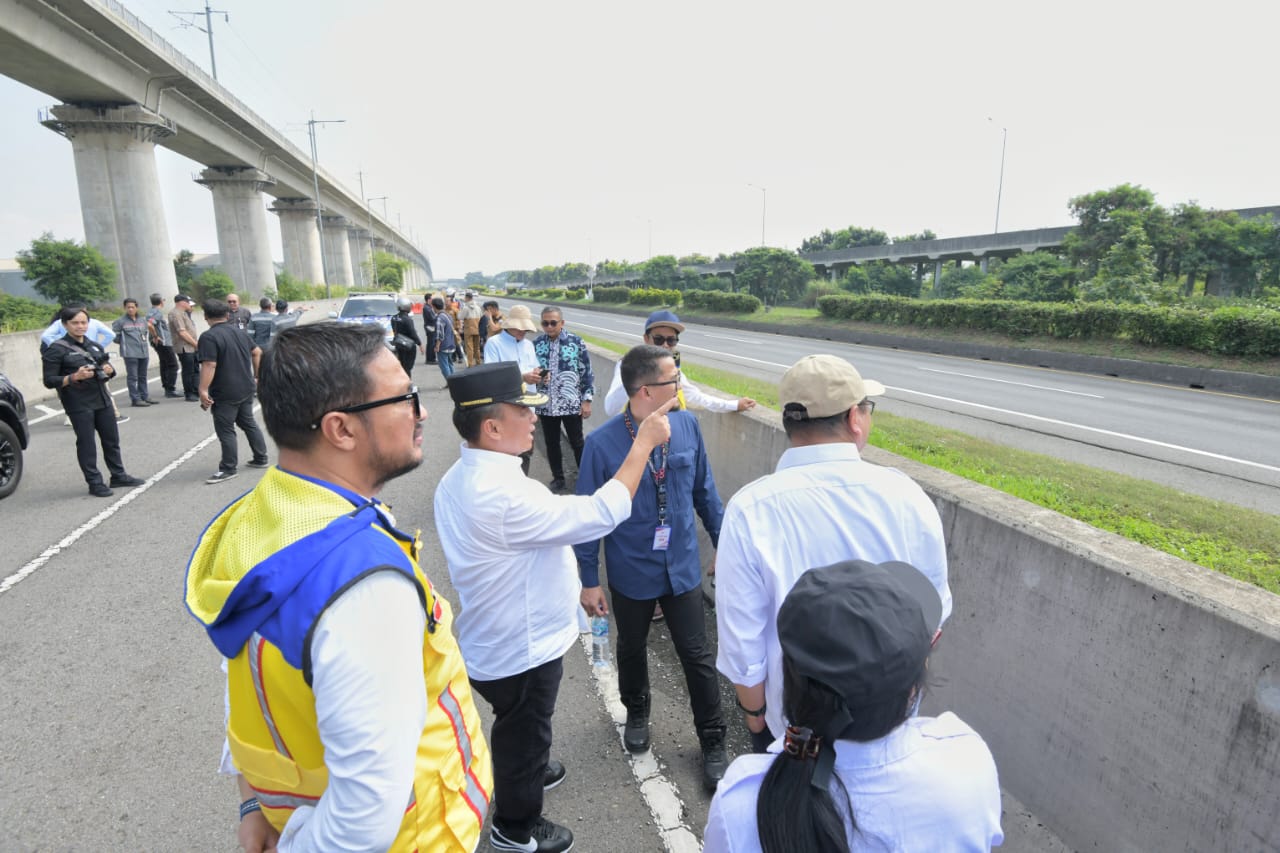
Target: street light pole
(764, 206)
(315, 182)
(373, 261)
(1004, 142)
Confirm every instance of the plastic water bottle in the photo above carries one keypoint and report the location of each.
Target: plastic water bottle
(600, 642)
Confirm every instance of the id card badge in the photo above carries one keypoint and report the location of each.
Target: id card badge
(662, 537)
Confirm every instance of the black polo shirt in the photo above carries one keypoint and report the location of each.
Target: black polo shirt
(232, 349)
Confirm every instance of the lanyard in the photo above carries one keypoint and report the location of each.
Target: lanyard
(659, 474)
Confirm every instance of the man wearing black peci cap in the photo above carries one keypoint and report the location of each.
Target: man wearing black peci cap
(507, 540)
(823, 504)
(855, 762)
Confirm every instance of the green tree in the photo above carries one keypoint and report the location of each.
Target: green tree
(1038, 277)
(390, 270)
(693, 260)
(661, 272)
(845, 238)
(893, 279)
(473, 278)
(1105, 217)
(213, 283)
(1126, 273)
(856, 280)
(184, 268)
(772, 275)
(968, 283)
(65, 271)
(291, 289)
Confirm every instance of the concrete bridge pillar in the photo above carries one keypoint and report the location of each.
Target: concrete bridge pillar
(120, 200)
(240, 216)
(937, 277)
(337, 251)
(359, 259)
(982, 264)
(301, 238)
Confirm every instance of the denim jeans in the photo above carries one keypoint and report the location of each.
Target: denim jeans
(444, 358)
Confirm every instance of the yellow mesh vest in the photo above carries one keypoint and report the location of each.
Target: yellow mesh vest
(274, 741)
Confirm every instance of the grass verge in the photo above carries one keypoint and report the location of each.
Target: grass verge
(1240, 543)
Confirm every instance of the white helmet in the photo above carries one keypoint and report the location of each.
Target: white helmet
(450, 292)
(404, 303)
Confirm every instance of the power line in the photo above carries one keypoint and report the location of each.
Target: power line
(207, 29)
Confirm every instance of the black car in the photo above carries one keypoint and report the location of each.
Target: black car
(13, 435)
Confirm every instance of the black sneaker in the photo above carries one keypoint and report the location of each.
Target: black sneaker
(172, 394)
(547, 837)
(140, 404)
(553, 775)
(557, 485)
(714, 760)
(258, 463)
(100, 490)
(192, 398)
(125, 482)
(635, 735)
(222, 477)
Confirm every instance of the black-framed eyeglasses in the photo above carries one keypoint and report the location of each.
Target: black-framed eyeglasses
(868, 404)
(662, 340)
(675, 381)
(550, 324)
(411, 396)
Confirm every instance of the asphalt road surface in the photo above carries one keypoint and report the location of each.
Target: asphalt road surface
(1207, 443)
(111, 696)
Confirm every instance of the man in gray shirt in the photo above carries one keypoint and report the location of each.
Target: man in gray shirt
(263, 324)
(162, 343)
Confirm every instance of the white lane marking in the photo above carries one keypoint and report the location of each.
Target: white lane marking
(74, 536)
(1113, 434)
(48, 413)
(660, 793)
(1011, 382)
(729, 338)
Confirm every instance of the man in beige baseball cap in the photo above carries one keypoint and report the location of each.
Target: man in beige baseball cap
(824, 504)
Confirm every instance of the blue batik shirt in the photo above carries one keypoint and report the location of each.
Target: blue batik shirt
(569, 377)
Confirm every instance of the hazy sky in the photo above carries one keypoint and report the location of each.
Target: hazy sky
(517, 134)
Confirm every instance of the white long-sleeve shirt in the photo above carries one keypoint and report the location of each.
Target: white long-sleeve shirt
(694, 396)
(823, 505)
(371, 705)
(504, 347)
(507, 540)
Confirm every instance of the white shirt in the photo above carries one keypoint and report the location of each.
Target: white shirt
(371, 706)
(507, 540)
(504, 347)
(822, 505)
(929, 785)
(694, 396)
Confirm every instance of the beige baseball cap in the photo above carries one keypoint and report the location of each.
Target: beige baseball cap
(519, 318)
(819, 386)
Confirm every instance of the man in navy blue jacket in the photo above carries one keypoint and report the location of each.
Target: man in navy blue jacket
(653, 556)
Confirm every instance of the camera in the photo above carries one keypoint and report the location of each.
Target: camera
(96, 360)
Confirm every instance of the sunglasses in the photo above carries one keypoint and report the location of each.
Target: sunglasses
(412, 396)
(662, 341)
(550, 324)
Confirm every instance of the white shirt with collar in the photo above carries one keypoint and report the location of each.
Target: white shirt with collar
(507, 540)
(694, 397)
(822, 505)
(930, 784)
(504, 347)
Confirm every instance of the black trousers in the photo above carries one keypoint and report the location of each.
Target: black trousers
(407, 358)
(551, 426)
(685, 620)
(168, 366)
(190, 370)
(226, 417)
(431, 346)
(91, 426)
(520, 741)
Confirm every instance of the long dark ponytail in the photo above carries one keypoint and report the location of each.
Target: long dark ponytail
(793, 816)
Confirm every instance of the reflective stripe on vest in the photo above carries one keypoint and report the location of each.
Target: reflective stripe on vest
(473, 793)
(256, 645)
(281, 800)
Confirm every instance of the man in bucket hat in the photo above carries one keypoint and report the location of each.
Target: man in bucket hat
(514, 344)
(507, 540)
(822, 505)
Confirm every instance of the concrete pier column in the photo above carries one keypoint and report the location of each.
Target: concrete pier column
(337, 251)
(358, 260)
(120, 200)
(937, 277)
(982, 264)
(240, 216)
(301, 238)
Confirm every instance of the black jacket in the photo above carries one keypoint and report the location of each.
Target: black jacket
(65, 356)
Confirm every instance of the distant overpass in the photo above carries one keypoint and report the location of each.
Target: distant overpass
(125, 90)
(977, 248)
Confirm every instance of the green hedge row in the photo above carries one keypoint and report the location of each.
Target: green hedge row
(654, 296)
(718, 300)
(611, 294)
(1253, 331)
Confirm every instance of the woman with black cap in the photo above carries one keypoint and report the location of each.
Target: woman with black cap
(857, 770)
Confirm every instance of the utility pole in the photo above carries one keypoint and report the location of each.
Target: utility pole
(360, 174)
(207, 28)
(1004, 143)
(315, 183)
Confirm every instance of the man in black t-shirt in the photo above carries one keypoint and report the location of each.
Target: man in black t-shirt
(228, 377)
